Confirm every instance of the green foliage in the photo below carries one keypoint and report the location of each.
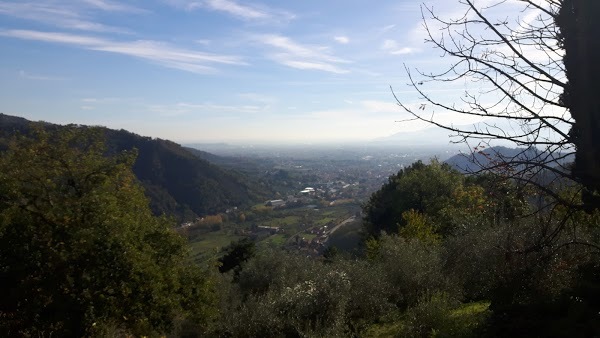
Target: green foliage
(417, 227)
(429, 316)
(425, 188)
(470, 208)
(80, 251)
(330, 254)
(474, 259)
(284, 295)
(412, 268)
(372, 247)
(435, 315)
(177, 182)
(498, 273)
(236, 254)
(502, 199)
(571, 313)
(438, 315)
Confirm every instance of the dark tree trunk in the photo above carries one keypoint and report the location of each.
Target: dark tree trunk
(579, 24)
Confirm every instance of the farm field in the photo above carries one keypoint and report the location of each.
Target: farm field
(267, 227)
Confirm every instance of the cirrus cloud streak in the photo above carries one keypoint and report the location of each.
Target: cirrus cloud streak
(158, 52)
(293, 54)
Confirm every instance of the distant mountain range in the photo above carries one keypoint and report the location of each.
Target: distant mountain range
(483, 158)
(177, 182)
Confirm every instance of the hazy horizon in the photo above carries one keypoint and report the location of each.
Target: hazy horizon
(219, 70)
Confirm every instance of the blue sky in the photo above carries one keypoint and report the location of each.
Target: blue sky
(217, 70)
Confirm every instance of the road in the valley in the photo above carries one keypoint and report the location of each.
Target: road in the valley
(346, 221)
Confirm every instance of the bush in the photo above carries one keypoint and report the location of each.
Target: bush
(284, 295)
(439, 315)
(412, 268)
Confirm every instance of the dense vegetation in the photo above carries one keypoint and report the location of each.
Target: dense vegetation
(442, 254)
(81, 253)
(177, 182)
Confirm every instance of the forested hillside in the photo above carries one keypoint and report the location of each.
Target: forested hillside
(177, 182)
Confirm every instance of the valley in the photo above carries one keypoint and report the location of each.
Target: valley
(314, 192)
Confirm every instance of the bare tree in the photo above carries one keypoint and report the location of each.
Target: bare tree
(513, 76)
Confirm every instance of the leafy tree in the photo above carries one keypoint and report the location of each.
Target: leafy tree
(280, 294)
(80, 251)
(425, 188)
(330, 254)
(412, 269)
(417, 227)
(236, 254)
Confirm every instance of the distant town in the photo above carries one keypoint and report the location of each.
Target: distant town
(316, 192)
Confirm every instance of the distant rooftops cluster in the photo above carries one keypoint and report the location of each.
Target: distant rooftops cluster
(307, 190)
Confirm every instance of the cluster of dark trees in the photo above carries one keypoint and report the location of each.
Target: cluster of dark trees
(500, 252)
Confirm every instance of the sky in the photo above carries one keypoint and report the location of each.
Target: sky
(218, 70)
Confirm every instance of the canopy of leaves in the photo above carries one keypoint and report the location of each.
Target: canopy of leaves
(236, 253)
(80, 250)
(425, 188)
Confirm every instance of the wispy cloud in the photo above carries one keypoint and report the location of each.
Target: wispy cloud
(408, 6)
(28, 76)
(204, 42)
(111, 6)
(155, 51)
(342, 39)
(69, 15)
(386, 29)
(265, 100)
(184, 108)
(393, 47)
(246, 11)
(296, 55)
(235, 9)
(106, 100)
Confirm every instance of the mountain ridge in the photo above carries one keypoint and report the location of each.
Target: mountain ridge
(481, 158)
(177, 182)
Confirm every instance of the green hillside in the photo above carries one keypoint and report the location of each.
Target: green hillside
(177, 182)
